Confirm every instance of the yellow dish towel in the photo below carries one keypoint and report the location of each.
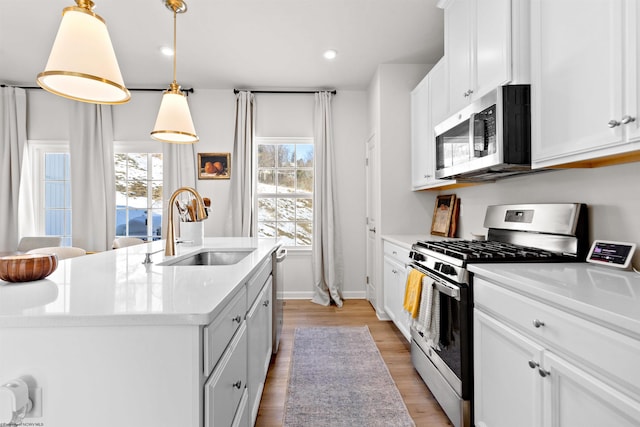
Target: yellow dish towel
(412, 293)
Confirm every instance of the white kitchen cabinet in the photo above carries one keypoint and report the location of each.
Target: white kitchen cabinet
(395, 278)
(486, 46)
(259, 319)
(225, 388)
(585, 83)
(428, 108)
(542, 366)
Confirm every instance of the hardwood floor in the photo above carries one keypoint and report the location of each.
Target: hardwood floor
(394, 348)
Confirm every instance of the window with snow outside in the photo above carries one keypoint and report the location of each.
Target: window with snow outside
(285, 190)
(139, 195)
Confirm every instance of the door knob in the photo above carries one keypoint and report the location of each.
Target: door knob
(543, 373)
(372, 229)
(533, 365)
(627, 119)
(613, 123)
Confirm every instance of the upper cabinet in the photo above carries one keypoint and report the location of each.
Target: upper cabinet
(585, 83)
(428, 107)
(486, 46)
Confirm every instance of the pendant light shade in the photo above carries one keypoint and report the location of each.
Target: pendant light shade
(174, 123)
(82, 64)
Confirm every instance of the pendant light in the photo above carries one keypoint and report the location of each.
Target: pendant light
(82, 64)
(174, 123)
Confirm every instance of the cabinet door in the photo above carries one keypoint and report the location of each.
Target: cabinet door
(223, 391)
(421, 160)
(577, 77)
(507, 390)
(492, 45)
(575, 398)
(395, 277)
(458, 30)
(632, 82)
(259, 323)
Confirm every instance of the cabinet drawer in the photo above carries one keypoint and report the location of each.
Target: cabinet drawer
(224, 390)
(218, 333)
(396, 251)
(257, 281)
(601, 351)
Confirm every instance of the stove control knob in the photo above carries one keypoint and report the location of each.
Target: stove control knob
(448, 270)
(437, 266)
(416, 255)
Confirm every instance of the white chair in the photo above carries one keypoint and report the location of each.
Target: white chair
(123, 242)
(33, 242)
(63, 252)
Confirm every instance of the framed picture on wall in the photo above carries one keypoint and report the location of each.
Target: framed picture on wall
(214, 165)
(442, 213)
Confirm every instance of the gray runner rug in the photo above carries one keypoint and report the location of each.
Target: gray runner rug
(338, 378)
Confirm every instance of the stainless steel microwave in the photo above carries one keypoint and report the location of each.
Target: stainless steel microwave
(489, 139)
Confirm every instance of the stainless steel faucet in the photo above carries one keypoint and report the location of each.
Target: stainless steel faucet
(200, 214)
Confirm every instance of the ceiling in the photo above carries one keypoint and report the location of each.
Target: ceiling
(258, 44)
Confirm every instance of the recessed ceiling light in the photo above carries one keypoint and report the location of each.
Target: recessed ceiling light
(166, 50)
(330, 54)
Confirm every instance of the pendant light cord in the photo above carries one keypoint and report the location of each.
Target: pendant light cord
(175, 45)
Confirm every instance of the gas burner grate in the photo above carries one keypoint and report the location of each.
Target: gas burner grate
(471, 250)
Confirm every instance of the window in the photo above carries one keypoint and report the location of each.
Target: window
(51, 187)
(139, 195)
(138, 176)
(57, 196)
(285, 189)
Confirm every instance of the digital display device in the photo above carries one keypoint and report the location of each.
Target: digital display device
(613, 254)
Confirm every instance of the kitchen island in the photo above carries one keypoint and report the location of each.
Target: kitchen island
(107, 340)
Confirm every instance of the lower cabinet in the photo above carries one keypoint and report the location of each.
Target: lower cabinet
(224, 390)
(561, 373)
(259, 324)
(395, 278)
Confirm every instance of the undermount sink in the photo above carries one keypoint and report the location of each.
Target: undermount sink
(211, 257)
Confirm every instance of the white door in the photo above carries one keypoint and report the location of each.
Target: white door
(577, 77)
(573, 398)
(507, 386)
(371, 219)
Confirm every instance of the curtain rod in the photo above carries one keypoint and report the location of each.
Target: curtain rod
(189, 90)
(285, 91)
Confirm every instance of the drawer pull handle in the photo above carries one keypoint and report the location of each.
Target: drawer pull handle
(543, 373)
(237, 384)
(266, 303)
(533, 365)
(238, 319)
(537, 323)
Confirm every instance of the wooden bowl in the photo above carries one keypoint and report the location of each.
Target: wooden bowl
(27, 267)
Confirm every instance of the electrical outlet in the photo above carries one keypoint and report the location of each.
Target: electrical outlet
(35, 395)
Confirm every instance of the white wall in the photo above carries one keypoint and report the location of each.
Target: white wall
(611, 194)
(277, 115)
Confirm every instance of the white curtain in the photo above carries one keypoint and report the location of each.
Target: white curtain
(240, 222)
(178, 170)
(93, 192)
(13, 128)
(327, 251)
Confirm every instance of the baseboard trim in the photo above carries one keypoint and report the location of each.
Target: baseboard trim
(309, 295)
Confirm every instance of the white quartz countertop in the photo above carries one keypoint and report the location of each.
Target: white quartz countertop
(603, 295)
(116, 288)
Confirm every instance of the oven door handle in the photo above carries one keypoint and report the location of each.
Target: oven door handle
(447, 290)
(450, 291)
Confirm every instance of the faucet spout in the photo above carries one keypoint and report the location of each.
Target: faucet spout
(201, 214)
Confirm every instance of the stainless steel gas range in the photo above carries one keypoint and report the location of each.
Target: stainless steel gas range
(442, 336)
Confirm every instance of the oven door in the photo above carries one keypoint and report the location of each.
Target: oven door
(452, 356)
